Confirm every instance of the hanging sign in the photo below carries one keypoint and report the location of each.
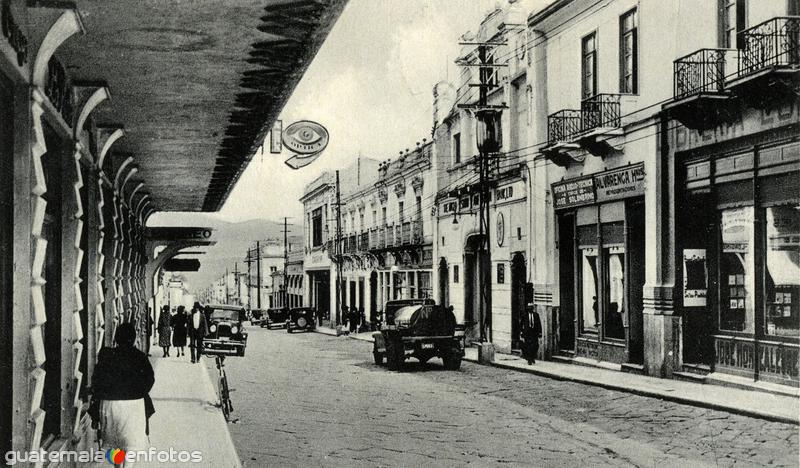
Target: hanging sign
(307, 139)
(695, 278)
(501, 229)
(275, 137)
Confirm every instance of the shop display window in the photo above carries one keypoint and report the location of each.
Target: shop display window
(589, 291)
(782, 271)
(614, 311)
(737, 276)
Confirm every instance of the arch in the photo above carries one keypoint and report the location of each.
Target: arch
(518, 299)
(108, 136)
(128, 161)
(444, 282)
(138, 187)
(94, 94)
(67, 24)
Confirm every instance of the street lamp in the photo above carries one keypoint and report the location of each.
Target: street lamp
(488, 135)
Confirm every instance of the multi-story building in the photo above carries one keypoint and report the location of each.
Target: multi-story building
(387, 234)
(287, 290)
(471, 259)
(663, 213)
(319, 230)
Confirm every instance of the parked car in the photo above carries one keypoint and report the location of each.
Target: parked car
(276, 318)
(301, 318)
(226, 333)
(421, 329)
(257, 317)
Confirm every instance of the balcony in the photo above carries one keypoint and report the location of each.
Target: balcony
(570, 131)
(769, 61)
(700, 100)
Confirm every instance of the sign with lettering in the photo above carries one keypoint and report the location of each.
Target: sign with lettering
(750, 121)
(620, 183)
(573, 192)
(178, 233)
(182, 264)
(695, 278)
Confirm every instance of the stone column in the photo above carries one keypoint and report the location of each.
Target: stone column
(662, 329)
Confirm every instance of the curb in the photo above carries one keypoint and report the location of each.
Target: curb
(635, 391)
(215, 398)
(651, 394)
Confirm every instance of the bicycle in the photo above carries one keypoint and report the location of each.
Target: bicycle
(224, 390)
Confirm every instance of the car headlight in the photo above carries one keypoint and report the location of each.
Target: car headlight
(234, 329)
(403, 323)
(212, 328)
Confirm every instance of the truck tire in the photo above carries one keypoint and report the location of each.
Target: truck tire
(452, 361)
(393, 359)
(378, 358)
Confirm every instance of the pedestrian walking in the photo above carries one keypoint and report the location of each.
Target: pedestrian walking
(197, 330)
(345, 318)
(354, 319)
(179, 323)
(121, 404)
(164, 330)
(531, 333)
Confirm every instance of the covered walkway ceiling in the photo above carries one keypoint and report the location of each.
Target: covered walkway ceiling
(195, 84)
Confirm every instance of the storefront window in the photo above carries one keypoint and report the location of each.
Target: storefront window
(614, 310)
(589, 291)
(737, 278)
(782, 269)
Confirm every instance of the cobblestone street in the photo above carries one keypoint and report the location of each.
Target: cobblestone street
(316, 400)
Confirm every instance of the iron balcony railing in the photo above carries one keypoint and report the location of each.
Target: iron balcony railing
(600, 111)
(771, 43)
(702, 71)
(563, 126)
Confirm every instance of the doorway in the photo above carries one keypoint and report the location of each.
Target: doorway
(636, 277)
(373, 297)
(475, 260)
(566, 278)
(518, 276)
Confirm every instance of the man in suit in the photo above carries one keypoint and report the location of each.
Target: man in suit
(531, 334)
(197, 330)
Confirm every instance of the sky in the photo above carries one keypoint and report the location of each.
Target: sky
(371, 86)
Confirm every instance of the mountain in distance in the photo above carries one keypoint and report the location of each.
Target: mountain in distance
(233, 239)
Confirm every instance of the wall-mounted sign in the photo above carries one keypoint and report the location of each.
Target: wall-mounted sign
(573, 192)
(604, 186)
(620, 183)
(695, 278)
(307, 139)
(182, 264)
(501, 229)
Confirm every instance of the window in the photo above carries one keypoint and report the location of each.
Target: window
(273, 269)
(737, 276)
(588, 66)
(501, 273)
(733, 22)
(383, 215)
(455, 273)
(419, 207)
(374, 218)
(361, 219)
(782, 270)
(425, 284)
(316, 227)
(400, 216)
(456, 148)
(589, 290)
(628, 52)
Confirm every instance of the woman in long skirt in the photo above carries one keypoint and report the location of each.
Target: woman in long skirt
(164, 330)
(179, 322)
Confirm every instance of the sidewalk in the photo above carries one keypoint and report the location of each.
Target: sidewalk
(186, 418)
(781, 408)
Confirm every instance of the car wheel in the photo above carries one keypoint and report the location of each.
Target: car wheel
(288, 329)
(378, 358)
(452, 361)
(240, 352)
(392, 363)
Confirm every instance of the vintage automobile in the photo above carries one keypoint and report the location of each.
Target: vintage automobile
(276, 317)
(301, 318)
(418, 328)
(257, 317)
(226, 333)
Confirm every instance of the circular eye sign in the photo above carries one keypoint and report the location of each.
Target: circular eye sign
(305, 137)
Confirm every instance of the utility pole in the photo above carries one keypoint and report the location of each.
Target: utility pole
(249, 283)
(227, 294)
(285, 261)
(236, 283)
(339, 298)
(258, 273)
(489, 142)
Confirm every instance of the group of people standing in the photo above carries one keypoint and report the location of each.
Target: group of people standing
(173, 330)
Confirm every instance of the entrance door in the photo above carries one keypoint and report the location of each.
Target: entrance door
(566, 275)
(635, 247)
(517, 298)
(373, 297)
(474, 261)
(6, 257)
(361, 294)
(444, 283)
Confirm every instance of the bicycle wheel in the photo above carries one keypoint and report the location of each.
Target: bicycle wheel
(223, 395)
(228, 403)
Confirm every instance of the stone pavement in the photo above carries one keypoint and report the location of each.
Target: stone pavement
(186, 417)
(780, 408)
